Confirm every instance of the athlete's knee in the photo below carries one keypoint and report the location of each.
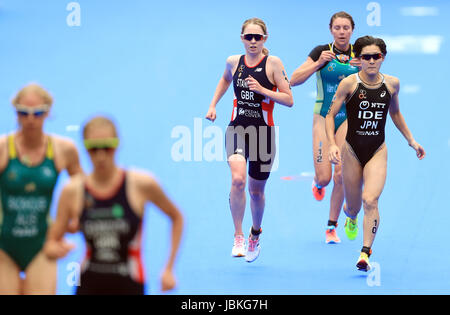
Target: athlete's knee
(323, 179)
(238, 182)
(256, 194)
(370, 202)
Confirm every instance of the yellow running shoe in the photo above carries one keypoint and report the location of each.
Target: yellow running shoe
(351, 228)
(363, 262)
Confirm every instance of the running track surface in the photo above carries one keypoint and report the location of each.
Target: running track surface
(155, 66)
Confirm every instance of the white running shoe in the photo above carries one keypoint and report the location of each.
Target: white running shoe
(252, 250)
(239, 246)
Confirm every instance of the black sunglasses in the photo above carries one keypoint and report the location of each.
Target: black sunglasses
(257, 37)
(374, 56)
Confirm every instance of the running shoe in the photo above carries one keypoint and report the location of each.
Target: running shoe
(331, 235)
(253, 249)
(363, 262)
(351, 228)
(239, 246)
(318, 194)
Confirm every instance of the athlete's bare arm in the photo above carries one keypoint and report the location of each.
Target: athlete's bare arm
(67, 156)
(345, 88)
(277, 73)
(67, 219)
(223, 85)
(154, 193)
(393, 85)
(73, 161)
(3, 153)
(309, 67)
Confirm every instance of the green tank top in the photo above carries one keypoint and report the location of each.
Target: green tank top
(328, 79)
(26, 194)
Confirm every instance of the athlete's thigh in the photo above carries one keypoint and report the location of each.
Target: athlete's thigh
(256, 185)
(238, 166)
(352, 175)
(341, 133)
(41, 276)
(375, 174)
(322, 165)
(10, 282)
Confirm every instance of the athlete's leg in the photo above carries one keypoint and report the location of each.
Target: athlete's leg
(256, 189)
(257, 200)
(352, 176)
(40, 276)
(337, 196)
(10, 282)
(238, 167)
(322, 165)
(374, 180)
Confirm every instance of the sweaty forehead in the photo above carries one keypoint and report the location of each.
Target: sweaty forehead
(253, 29)
(371, 49)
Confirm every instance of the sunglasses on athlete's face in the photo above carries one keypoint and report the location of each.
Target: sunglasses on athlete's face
(250, 37)
(37, 112)
(95, 145)
(95, 150)
(368, 57)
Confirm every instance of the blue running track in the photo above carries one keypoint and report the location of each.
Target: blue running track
(154, 67)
